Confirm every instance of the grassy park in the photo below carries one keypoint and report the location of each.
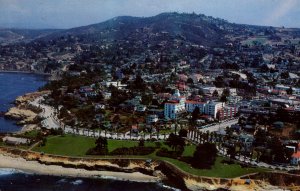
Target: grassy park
(70, 145)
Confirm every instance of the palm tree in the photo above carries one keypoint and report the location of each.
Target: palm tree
(200, 133)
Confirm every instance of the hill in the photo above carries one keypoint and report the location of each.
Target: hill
(17, 35)
(194, 28)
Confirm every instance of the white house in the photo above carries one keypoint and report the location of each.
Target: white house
(295, 159)
(151, 119)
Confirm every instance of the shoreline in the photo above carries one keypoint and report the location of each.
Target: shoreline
(23, 113)
(34, 167)
(24, 72)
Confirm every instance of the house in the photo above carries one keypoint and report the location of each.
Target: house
(140, 108)
(134, 129)
(236, 127)
(295, 159)
(99, 117)
(278, 125)
(15, 140)
(116, 84)
(106, 95)
(247, 141)
(151, 119)
(85, 89)
(99, 106)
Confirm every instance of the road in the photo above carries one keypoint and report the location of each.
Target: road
(217, 127)
(48, 114)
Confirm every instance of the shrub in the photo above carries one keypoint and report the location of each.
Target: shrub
(141, 143)
(158, 144)
(96, 151)
(164, 152)
(133, 151)
(44, 141)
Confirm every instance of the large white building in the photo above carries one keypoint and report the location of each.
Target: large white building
(211, 108)
(178, 104)
(175, 106)
(190, 106)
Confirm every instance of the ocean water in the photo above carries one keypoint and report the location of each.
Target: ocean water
(13, 85)
(13, 180)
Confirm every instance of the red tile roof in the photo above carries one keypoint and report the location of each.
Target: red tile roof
(296, 155)
(134, 127)
(193, 102)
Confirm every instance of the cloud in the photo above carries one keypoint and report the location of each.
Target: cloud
(281, 10)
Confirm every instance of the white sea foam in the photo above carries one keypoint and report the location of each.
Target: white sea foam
(110, 178)
(9, 171)
(62, 180)
(169, 187)
(77, 182)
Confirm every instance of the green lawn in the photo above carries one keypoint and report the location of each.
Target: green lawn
(31, 134)
(189, 150)
(218, 170)
(113, 144)
(67, 145)
(78, 145)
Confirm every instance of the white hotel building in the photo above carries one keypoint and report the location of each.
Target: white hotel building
(175, 106)
(178, 104)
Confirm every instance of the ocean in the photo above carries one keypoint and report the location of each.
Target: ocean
(13, 180)
(13, 85)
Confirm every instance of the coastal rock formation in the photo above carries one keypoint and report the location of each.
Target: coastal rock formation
(152, 172)
(24, 116)
(23, 112)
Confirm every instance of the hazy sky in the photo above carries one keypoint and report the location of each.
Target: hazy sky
(73, 13)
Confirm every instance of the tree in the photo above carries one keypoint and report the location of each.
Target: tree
(215, 94)
(260, 138)
(225, 95)
(190, 81)
(101, 145)
(278, 151)
(175, 142)
(195, 113)
(139, 83)
(231, 152)
(226, 92)
(223, 98)
(284, 75)
(205, 155)
(141, 143)
(183, 133)
(289, 91)
(147, 99)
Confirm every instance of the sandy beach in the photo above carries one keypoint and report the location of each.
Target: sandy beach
(37, 168)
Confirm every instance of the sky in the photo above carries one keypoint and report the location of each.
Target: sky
(73, 13)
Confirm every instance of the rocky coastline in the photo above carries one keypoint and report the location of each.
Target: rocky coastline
(23, 112)
(137, 170)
